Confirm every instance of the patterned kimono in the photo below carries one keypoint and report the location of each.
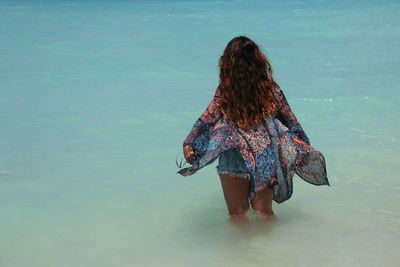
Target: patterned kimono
(272, 153)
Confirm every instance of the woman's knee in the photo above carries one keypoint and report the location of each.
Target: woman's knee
(262, 201)
(238, 210)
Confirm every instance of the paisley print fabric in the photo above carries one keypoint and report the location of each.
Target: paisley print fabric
(272, 153)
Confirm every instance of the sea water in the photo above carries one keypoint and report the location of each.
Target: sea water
(97, 97)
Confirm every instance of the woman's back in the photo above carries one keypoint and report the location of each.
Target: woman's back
(213, 112)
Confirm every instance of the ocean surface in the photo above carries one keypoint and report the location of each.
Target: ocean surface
(96, 98)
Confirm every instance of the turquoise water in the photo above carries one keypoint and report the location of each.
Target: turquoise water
(97, 97)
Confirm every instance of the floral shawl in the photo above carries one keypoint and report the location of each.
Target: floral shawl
(273, 152)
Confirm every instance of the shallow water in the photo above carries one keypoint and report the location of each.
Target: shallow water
(96, 98)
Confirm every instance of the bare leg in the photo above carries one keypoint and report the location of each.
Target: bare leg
(236, 191)
(262, 203)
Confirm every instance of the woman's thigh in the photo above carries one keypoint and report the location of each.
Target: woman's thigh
(236, 191)
(235, 181)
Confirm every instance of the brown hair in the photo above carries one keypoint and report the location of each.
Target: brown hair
(246, 84)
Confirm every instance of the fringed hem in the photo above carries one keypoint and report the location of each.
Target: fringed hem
(246, 176)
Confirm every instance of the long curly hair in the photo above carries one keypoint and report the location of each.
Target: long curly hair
(246, 84)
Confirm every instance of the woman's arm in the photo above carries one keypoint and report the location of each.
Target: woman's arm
(208, 118)
(288, 116)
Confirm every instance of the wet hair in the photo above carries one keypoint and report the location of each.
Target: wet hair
(246, 84)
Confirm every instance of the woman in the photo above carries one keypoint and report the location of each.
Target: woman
(251, 129)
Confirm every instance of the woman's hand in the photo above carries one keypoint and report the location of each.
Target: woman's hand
(188, 152)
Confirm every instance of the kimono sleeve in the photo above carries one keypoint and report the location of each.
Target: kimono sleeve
(206, 120)
(289, 119)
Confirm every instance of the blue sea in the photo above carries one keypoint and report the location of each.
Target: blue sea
(96, 98)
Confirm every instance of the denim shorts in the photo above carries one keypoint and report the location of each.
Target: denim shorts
(231, 162)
